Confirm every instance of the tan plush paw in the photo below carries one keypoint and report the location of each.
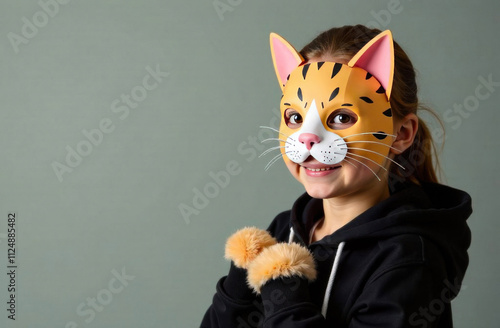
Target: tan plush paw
(281, 260)
(245, 244)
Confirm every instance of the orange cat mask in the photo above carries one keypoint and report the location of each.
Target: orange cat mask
(319, 96)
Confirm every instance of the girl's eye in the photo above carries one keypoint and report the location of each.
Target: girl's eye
(344, 120)
(341, 119)
(293, 119)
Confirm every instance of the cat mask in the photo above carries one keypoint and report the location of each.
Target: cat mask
(317, 96)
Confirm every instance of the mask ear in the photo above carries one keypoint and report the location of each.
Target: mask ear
(285, 58)
(377, 58)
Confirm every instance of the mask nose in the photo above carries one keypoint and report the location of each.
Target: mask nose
(308, 139)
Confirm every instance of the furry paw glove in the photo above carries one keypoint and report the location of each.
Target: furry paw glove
(241, 249)
(245, 244)
(256, 254)
(281, 261)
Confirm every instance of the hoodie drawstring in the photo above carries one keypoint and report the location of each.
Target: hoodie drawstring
(333, 272)
(291, 236)
(328, 291)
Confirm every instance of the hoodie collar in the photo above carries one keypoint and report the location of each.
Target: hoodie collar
(411, 209)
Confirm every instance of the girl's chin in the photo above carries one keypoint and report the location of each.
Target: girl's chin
(321, 193)
(321, 188)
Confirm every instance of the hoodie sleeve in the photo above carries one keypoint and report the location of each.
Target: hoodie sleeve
(233, 303)
(406, 296)
(287, 305)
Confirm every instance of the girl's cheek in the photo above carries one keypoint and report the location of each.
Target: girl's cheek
(293, 168)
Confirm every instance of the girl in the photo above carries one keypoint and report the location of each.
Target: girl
(375, 241)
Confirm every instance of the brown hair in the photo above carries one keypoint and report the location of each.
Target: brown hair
(344, 42)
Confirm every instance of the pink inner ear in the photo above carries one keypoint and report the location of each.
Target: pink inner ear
(286, 61)
(377, 61)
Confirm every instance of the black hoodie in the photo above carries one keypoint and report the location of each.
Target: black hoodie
(398, 264)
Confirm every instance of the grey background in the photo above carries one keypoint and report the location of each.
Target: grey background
(118, 210)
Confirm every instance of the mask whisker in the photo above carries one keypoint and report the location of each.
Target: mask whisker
(351, 158)
(369, 159)
(275, 130)
(347, 161)
(362, 133)
(344, 158)
(374, 152)
(374, 142)
(272, 161)
(270, 150)
(278, 139)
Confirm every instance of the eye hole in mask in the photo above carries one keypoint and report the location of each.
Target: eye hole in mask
(341, 119)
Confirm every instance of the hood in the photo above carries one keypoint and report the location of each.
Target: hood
(433, 211)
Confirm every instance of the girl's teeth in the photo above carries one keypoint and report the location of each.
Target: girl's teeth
(317, 170)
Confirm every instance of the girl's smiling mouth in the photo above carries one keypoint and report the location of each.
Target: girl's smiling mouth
(318, 169)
